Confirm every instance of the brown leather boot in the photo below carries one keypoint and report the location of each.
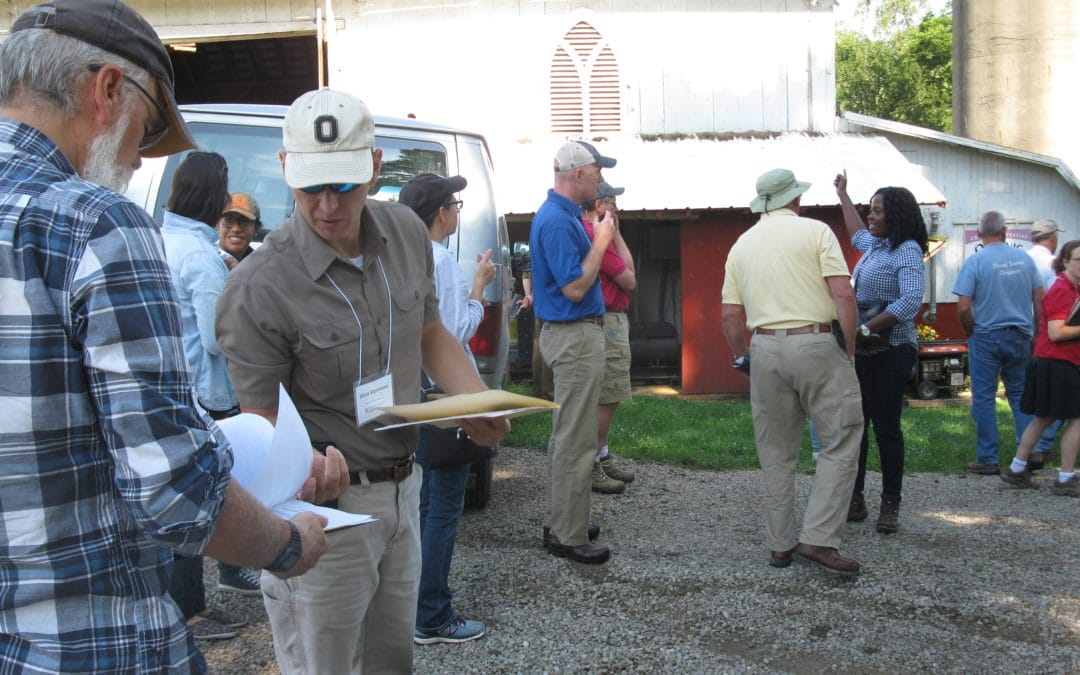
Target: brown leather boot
(889, 517)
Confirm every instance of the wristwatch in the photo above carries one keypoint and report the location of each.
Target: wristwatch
(290, 555)
(864, 330)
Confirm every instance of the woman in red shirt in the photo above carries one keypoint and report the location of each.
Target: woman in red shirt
(1052, 388)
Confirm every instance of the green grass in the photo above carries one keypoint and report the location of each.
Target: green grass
(719, 434)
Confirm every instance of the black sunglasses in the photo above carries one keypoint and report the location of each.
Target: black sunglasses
(154, 136)
(340, 188)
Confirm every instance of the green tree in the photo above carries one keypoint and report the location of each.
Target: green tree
(906, 77)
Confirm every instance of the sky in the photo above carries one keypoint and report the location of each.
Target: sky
(844, 11)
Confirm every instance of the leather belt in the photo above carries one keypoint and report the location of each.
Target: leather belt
(397, 473)
(809, 328)
(595, 320)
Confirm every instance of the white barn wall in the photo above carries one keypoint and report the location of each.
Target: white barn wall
(975, 182)
(686, 65)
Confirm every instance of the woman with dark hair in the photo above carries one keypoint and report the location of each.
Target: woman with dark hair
(1052, 384)
(889, 283)
(189, 230)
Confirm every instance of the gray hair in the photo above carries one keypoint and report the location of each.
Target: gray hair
(42, 69)
(991, 224)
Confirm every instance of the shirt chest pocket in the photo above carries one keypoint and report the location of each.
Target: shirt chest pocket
(408, 303)
(331, 352)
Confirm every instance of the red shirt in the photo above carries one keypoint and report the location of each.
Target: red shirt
(1055, 307)
(611, 266)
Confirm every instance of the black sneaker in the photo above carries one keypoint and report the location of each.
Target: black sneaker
(857, 512)
(458, 630)
(208, 629)
(241, 580)
(1036, 462)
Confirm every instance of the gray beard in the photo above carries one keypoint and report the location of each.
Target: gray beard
(101, 166)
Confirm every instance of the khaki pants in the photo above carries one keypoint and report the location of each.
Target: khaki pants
(575, 352)
(790, 377)
(354, 612)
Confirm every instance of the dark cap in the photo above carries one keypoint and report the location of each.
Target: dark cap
(425, 193)
(116, 28)
(605, 189)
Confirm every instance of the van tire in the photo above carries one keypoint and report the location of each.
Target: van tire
(478, 488)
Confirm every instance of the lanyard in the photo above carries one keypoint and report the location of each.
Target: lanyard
(390, 319)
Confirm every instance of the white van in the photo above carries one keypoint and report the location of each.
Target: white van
(249, 138)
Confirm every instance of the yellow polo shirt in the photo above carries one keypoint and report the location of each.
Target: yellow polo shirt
(776, 271)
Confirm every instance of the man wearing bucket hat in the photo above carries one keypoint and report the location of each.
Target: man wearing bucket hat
(338, 305)
(617, 280)
(568, 299)
(107, 467)
(787, 282)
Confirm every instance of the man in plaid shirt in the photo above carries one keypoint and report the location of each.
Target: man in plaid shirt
(105, 466)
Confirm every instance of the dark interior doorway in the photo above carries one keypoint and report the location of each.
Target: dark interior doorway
(261, 70)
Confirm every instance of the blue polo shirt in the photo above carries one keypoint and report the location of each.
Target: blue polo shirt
(999, 279)
(557, 245)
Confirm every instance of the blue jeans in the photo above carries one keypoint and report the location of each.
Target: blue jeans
(1046, 441)
(442, 499)
(1003, 353)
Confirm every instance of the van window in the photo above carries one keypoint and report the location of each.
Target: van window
(252, 155)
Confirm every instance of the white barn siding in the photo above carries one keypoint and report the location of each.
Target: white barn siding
(974, 182)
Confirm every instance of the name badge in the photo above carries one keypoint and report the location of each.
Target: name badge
(372, 394)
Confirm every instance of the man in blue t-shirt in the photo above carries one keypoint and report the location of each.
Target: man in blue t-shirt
(568, 299)
(999, 300)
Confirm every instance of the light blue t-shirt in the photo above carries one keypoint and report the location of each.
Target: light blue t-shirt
(1000, 279)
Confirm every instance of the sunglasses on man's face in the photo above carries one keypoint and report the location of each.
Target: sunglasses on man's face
(340, 188)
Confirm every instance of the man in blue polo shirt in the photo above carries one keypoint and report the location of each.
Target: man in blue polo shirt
(568, 299)
(999, 301)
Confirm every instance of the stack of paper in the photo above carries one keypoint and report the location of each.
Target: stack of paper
(444, 411)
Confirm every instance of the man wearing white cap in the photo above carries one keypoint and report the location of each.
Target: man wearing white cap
(568, 299)
(786, 280)
(1044, 243)
(339, 306)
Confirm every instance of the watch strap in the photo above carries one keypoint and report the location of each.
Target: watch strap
(290, 555)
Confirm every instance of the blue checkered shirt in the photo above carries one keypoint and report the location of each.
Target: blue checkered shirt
(104, 464)
(894, 276)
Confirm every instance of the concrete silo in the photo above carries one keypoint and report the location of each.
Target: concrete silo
(1016, 74)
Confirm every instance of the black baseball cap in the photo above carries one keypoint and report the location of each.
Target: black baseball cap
(426, 192)
(118, 29)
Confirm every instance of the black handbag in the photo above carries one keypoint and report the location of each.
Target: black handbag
(453, 447)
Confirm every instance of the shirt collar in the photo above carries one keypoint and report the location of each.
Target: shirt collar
(176, 221)
(25, 138)
(318, 256)
(564, 203)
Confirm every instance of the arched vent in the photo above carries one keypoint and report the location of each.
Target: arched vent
(585, 96)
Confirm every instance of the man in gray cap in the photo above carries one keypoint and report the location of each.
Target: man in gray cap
(787, 282)
(106, 466)
(568, 299)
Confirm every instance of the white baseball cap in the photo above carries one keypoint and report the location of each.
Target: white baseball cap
(576, 154)
(328, 137)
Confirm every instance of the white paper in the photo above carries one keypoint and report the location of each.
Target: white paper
(272, 463)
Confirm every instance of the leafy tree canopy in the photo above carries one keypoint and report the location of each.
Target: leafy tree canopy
(906, 77)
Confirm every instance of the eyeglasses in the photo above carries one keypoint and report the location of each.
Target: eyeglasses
(607, 200)
(458, 203)
(154, 136)
(340, 188)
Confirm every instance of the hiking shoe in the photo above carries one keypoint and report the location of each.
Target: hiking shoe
(889, 516)
(983, 469)
(856, 512)
(1018, 479)
(241, 580)
(458, 630)
(227, 620)
(1070, 488)
(615, 471)
(208, 629)
(603, 484)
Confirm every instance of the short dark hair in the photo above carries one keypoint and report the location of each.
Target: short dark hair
(200, 187)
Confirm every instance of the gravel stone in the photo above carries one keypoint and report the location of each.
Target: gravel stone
(980, 577)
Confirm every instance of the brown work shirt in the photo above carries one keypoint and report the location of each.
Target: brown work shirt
(280, 319)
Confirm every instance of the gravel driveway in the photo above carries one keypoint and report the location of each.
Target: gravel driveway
(979, 578)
